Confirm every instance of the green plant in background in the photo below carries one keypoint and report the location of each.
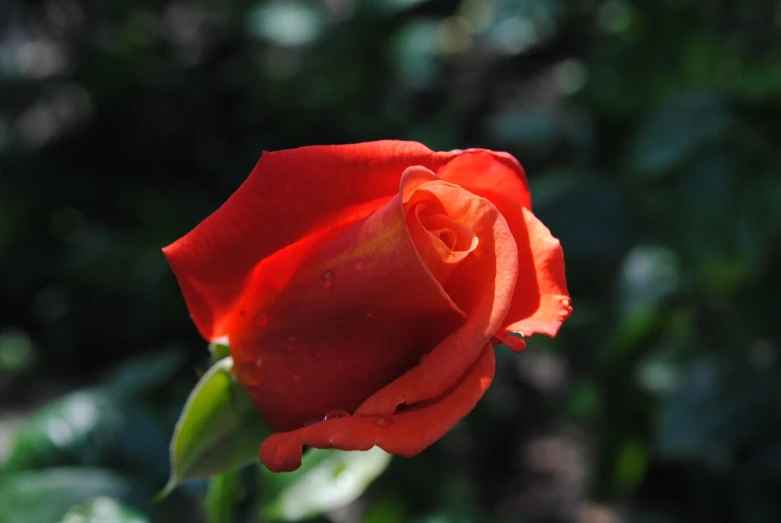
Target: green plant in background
(648, 130)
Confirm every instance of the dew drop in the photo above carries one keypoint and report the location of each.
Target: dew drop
(291, 345)
(261, 319)
(327, 279)
(336, 414)
(383, 423)
(359, 265)
(296, 378)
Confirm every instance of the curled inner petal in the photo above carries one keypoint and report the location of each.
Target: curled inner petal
(456, 236)
(442, 242)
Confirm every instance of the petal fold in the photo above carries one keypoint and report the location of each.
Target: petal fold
(405, 433)
(541, 302)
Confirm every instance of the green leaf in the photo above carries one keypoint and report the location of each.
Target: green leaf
(222, 497)
(219, 350)
(328, 479)
(43, 496)
(92, 427)
(103, 510)
(219, 429)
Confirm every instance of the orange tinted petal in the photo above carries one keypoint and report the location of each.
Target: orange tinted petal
(289, 195)
(327, 322)
(442, 241)
(541, 302)
(482, 286)
(494, 175)
(405, 433)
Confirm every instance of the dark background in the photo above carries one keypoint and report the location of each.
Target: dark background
(650, 131)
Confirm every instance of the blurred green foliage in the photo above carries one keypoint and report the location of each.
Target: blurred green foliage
(103, 510)
(650, 132)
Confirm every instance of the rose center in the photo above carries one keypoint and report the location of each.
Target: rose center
(441, 240)
(455, 236)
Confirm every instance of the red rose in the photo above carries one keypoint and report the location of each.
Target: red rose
(362, 288)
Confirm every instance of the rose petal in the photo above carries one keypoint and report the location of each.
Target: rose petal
(482, 286)
(494, 175)
(289, 195)
(541, 302)
(325, 323)
(430, 232)
(405, 433)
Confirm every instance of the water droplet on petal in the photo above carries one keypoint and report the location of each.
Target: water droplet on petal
(327, 279)
(296, 378)
(359, 265)
(261, 320)
(336, 414)
(383, 423)
(291, 345)
(368, 316)
(258, 363)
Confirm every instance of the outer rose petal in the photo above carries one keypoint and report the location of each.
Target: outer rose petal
(482, 285)
(405, 433)
(541, 301)
(493, 175)
(295, 193)
(289, 195)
